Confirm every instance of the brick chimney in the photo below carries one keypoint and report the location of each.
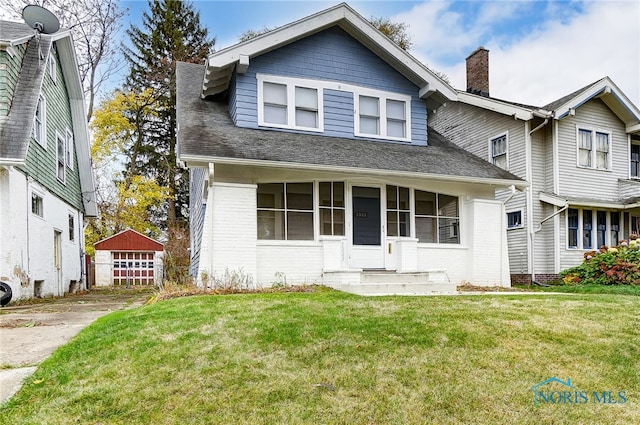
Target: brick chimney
(478, 72)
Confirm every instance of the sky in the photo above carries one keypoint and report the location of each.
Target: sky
(539, 51)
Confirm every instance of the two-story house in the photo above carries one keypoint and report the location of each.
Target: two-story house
(46, 183)
(580, 154)
(312, 160)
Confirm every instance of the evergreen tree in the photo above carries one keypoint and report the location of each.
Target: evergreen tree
(170, 32)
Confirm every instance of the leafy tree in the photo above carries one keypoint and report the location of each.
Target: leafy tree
(398, 32)
(126, 199)
(94, 25)
(170, 32)
(395, 31)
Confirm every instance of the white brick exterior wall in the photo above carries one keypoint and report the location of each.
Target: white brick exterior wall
(27, 240)
(230, 230)
(488, 240)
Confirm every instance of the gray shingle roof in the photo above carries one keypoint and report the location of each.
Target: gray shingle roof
(15, 129)
(564, 99)
(13, 31)
(207, 131)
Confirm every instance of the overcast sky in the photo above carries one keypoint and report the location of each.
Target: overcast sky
(539, 50)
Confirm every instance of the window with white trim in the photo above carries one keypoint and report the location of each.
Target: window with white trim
(39, 133)
(382, 115)
(72, 228)
(332, 208)
(285, 211)
(635, 160)
(635, 225)
(514, 219)
(437, 218)
(69, 148)
(37, 205)
(594, 149)
(398, 211)
(498, 146)
(53, 71)
(61, 154)
(289, 103)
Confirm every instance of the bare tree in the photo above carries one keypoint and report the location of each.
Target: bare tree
(94, 25)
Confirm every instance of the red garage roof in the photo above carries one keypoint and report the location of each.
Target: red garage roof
(129, 240)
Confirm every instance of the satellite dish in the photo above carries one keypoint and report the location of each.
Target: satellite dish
(40, 19)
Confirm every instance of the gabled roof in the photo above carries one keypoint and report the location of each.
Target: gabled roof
(129, 240)
(220, 65)
(208, 134)
(15, 129)
(604, 89)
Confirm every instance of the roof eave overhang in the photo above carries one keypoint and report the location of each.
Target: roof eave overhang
(12, 162)
(220, 65)
(71, 75)
(559, 201)
(202, 161)
(517, 112)
(612, 96)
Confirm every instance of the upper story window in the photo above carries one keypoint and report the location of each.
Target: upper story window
(69, 149)
(61, 154)
(635, 160)
(382, 115)
(39, 133)
(594, 149)
(498, 148)
(289, 103)
(53, 70)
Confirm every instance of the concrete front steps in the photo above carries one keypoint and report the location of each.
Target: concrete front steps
(383, 282)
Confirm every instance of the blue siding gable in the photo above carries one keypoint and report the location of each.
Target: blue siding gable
(330, 55)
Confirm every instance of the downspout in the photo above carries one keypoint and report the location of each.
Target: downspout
(503, 225)
(210, 206)
(529, 196)
(533, 241)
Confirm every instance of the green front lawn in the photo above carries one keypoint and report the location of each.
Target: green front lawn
(333, 358)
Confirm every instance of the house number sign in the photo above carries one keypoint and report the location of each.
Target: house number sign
(361, 214)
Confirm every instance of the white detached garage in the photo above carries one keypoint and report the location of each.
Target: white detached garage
(128, 258)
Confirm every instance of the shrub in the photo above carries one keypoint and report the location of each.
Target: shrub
(609, 266)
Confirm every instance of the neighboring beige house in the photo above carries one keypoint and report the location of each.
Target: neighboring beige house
(580, 154)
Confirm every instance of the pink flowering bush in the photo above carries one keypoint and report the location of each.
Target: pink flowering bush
(618, 265)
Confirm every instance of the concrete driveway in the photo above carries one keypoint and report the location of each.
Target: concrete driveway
(30, 333)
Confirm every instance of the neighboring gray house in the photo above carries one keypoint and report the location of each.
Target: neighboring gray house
(312, 160)
(46, 183)
(580, 154)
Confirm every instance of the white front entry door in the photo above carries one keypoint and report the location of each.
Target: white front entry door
(366, 246)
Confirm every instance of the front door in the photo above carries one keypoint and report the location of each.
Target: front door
(366, 250)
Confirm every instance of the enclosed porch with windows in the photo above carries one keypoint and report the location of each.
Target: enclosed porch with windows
(363, 234)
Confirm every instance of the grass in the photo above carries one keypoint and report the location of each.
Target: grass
(333, 358)
(586, 289)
